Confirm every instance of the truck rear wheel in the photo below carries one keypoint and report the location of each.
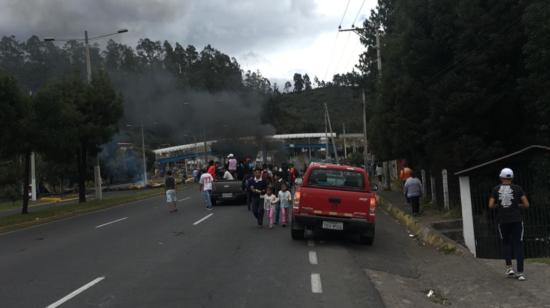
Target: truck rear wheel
(366, 238)
(296, 232)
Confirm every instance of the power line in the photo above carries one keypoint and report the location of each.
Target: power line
(344, 15)
(358, 12)
(329, 61)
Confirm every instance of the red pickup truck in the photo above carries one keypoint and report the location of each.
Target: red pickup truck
(334, 197)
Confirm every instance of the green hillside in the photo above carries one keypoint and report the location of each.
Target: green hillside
(299, 112)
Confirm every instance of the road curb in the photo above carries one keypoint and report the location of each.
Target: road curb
(424, 233)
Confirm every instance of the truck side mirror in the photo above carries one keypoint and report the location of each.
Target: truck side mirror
(374, 187)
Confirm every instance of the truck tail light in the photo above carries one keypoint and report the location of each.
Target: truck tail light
(372, 207)
(296, 204)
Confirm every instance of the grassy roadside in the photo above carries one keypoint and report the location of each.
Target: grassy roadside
(8, 205)
(539, 260)
(18, 221)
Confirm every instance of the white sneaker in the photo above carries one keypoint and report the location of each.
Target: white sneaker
(521, 277)
(510, 272)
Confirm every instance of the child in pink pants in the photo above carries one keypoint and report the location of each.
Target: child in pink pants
(284, 202)
(270, 204)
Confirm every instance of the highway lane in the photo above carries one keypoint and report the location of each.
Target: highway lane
(139, 255)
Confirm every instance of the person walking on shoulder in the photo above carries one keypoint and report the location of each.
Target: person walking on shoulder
(170, 189)
(206, 188)
(413, 192)
(508, 199)
(379, 173)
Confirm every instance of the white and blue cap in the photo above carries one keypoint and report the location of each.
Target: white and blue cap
(506, 173)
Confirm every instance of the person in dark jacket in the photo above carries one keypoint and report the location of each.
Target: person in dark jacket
(508, 199)
(257, 187)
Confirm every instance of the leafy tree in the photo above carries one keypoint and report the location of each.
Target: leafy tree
(307, 82)
(287, 87)
(318, 83)
(276, 90)
(298, 82)
(16, 129)
(90, 111)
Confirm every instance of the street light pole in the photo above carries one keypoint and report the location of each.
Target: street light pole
(97, 169)
(144, 158)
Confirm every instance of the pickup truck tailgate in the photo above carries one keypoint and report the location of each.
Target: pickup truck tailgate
(221, 187)
(340, 203)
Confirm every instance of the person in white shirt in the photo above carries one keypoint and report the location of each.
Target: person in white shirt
(227, 175)
(206, 188)
(379, 173)
(232, 164)
(284, 202)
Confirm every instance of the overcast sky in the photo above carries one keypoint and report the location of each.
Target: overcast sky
(278, 37)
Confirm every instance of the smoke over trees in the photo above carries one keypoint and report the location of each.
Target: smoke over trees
(178, 94)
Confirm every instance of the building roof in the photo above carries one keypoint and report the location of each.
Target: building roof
(182, 147)
(529, 148)
(279, 137)
(303, 135)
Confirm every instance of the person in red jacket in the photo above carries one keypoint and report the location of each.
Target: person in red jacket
(212, 169)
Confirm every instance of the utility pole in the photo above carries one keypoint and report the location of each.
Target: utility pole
(344, 137)
(331, 133)
(144, 158)
(365, 144)
(326, 137)
(33, 177)
(97, 168)
(309, 148)
(378, 54)
(379, 64)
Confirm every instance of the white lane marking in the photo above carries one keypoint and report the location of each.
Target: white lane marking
(202, 219)
(316, 286)
(75, 292)
(186, 198)
(310, 243)
(111, 222)
(313, 258)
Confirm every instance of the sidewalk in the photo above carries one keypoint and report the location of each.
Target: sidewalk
(465, 280)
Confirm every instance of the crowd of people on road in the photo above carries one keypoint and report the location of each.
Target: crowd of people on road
(268, 193)
(268, 187)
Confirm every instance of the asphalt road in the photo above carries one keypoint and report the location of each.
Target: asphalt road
(139, 255)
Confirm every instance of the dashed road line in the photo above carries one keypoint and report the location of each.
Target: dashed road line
(316, 286)
(310, 243)
(76, 292)
(202, 219)
(111, 222)
(186, 198)
(313, 258)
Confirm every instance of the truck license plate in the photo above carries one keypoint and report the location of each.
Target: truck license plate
(333, 225)
(227, 195)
